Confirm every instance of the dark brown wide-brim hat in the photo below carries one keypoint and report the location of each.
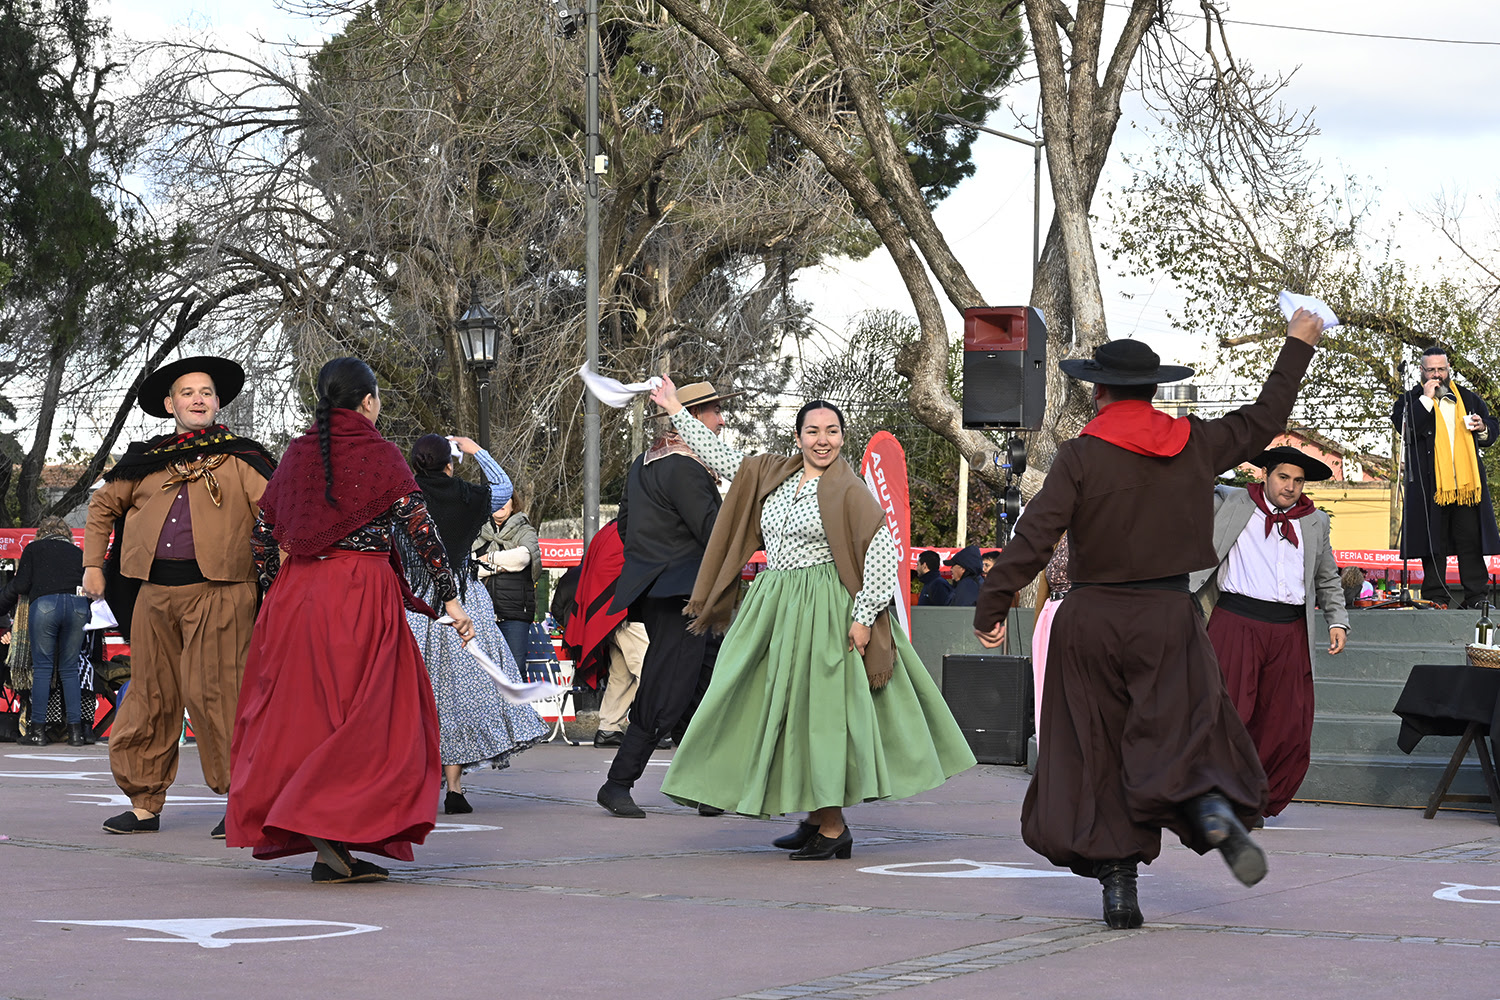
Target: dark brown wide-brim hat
(698, 393)
(229, 379)
(1124, 362)
(1316, 471)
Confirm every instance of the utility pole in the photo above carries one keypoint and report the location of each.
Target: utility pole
(594, 166)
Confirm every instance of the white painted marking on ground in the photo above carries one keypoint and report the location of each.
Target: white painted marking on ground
(204, 931)
(1454, 893)
(49, 756)
(59, 775)
(973, 869)
(463, 828)
(117, 801)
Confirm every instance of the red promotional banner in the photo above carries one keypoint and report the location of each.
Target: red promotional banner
(884, 469)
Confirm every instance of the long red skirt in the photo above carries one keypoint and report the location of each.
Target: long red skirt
(337, 734)
(1268, 672)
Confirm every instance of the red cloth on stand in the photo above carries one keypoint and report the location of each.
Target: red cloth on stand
(337, 733)
(591, 623)
(1268, 672)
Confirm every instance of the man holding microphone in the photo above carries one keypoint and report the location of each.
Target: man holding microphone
(1447, 502)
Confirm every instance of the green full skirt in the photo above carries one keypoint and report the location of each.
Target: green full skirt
(790, 724)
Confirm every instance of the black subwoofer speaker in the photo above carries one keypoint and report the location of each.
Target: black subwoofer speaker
(990, 697)
(1005, 367)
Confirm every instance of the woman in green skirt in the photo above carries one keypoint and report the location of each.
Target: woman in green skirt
(818, 701)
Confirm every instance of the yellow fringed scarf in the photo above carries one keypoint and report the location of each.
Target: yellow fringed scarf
(1457, 465)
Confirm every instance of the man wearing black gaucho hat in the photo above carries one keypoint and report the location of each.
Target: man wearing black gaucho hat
(1275, 560)
(180, 578)
(1138, 732)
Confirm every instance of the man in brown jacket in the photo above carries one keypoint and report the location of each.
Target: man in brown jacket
(182, 579)
(1139, 734)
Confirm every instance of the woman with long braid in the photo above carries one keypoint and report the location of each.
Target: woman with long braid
(336, 740)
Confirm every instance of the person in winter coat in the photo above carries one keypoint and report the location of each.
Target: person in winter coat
(508, 560)
(968, 576)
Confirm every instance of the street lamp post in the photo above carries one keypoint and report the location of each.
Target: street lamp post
(1036, 184)
(479, 336)
(595, 165)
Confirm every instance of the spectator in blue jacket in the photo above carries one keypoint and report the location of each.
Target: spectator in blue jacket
(936, 592)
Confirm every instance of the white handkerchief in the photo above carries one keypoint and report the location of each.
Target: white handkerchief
(611, 393)
(1290, 302)
(100, 616)
(517, 693)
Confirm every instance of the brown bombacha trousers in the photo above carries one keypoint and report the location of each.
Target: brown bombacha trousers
(187, 648)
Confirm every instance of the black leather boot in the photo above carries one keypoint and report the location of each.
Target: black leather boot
(1122, 909)
(1222, 830)
(76, 735)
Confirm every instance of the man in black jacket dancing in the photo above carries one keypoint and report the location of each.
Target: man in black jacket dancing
(670, 504)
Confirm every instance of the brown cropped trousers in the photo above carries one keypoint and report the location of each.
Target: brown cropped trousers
(187, 650)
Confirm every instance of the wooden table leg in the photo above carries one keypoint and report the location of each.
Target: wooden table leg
(1487, 765)
(1451, 770)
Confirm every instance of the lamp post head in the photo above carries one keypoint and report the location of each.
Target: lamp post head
(479, 337)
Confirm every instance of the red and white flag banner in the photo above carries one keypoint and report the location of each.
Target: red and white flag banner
(884, 469)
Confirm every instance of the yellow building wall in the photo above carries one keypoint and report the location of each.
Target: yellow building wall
(1359, 513)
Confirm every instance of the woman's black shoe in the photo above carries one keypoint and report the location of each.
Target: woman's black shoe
(1122, 908)
(454, 802)
(76, 737)
(821, 848)
(798, 838)
(34, 737)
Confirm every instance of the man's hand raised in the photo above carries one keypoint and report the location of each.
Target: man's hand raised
(1306, 327)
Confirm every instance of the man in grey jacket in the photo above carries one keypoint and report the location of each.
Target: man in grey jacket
(1275, 560)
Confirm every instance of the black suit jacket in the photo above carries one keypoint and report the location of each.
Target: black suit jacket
(1420, 474)
(665, 519)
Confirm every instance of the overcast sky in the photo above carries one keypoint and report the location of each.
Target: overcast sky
(1415, 119)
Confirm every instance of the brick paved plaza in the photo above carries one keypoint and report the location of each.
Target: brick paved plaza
(540, 893)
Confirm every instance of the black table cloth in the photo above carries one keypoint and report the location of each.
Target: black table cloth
(1441, 700)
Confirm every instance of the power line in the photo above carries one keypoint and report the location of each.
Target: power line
(1332, 31)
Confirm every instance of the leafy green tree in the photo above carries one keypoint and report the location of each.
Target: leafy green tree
(427, 156)
(78, 254)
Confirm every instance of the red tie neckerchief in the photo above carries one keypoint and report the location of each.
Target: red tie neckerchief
(1300, 509)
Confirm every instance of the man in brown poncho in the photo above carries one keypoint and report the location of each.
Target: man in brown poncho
(1138, 731)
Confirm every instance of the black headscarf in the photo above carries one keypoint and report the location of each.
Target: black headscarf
(459, 509)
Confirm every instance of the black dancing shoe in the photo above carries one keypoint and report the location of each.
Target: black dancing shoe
(359, 871)
(821, 848)
(129, 822)
(605, 738)
(454, 802)
(1122, 909)
(616, 798)
(218, 831)
(1222, 830)
(704, 809)
(33, 737)
(798, 838)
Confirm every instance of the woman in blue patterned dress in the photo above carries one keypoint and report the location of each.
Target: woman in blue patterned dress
(475, 726)
(818, 701)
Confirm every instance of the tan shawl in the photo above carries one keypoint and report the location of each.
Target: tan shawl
(851, 516)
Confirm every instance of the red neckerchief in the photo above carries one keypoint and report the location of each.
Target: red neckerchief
(1298, 510)
(1136, 425)
(369, 474)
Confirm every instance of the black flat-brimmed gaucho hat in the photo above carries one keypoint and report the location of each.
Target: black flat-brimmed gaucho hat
(1286, 455)
(229, 379)
(1124, 362)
